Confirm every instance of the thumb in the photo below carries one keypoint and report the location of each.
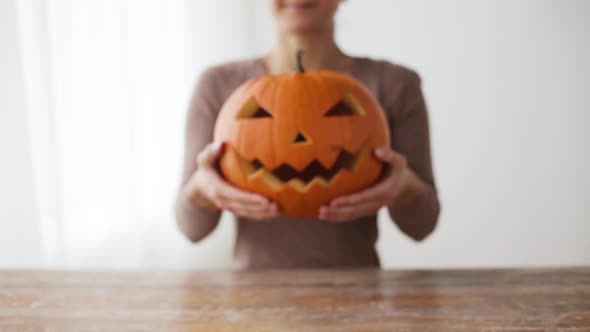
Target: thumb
(385, 154)
(209, 154)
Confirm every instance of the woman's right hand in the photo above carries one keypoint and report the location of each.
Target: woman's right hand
(207, 189)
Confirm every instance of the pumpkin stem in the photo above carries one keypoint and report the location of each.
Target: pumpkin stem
(298, 64)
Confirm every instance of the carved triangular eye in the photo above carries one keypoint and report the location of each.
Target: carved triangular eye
(340, 109)
(261, 113)
(251, 110)
(346, 106)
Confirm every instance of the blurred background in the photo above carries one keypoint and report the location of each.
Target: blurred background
(93, 95)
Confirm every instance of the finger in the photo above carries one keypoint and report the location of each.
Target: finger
(243, 203)
(270, 208)
(377, 192)
(253, 211)
(383, 189)
(209, 154)
(261, 216)
(349, 213)
(387, 155)
(226, 192)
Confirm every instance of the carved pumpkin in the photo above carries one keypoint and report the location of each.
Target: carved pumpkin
(301, 139)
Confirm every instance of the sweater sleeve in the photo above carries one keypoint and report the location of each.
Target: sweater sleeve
(410, 136)
(196, 222)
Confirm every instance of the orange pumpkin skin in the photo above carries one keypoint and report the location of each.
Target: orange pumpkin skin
(279, 129)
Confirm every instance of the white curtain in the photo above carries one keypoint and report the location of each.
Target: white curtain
(108, 83)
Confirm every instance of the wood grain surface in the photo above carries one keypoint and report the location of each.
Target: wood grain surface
(341, 300)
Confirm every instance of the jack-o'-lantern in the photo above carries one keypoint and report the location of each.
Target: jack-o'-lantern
(302, 138)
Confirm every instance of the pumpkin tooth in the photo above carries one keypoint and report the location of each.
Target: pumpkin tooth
(247, 167)
(268, 178)
(320, 181)
(361, 152)
(298, 184)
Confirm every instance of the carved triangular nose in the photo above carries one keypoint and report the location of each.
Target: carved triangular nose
(299, 138)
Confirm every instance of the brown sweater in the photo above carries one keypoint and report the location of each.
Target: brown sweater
(293, 243)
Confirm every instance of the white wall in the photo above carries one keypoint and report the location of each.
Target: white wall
(507, 83)
(19, 234)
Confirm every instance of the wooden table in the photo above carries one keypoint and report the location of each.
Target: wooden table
(343, 300)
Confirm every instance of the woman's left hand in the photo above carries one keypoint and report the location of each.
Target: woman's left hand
(389, 191)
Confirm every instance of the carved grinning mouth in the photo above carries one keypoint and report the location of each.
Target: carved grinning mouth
(300, 180)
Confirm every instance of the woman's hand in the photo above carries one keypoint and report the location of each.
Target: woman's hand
(207, 189)
(400, 186)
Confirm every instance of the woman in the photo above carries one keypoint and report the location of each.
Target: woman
(345, 233)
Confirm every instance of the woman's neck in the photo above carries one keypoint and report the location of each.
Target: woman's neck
(320, 52)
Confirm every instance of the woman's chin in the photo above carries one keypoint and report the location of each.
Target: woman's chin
(301, 26)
